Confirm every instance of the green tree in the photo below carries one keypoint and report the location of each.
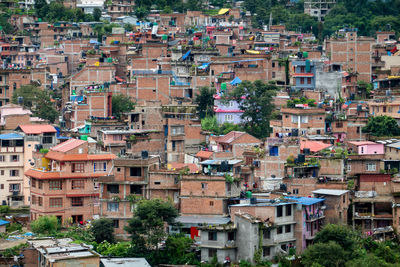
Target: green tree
(97, 14)
(178, 250)
(120, 104)
(37, 100)
(382, 126)
(45, 225)
(103, 230)
(328, 254)
(205, 102)
(256, 100)
(147, 227)
(369, 260)
(141, 12)
(345, 237)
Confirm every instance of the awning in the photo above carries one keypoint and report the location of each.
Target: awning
(223, 11)
(236, 81)
(119, 79)
(174, 42)
(186, 55)
(204, 66)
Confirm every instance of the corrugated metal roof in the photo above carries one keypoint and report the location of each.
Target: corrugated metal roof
(37, 128)
(11, 136)
(68, 145)
(125, 262)
(330, 192)
(307, 201)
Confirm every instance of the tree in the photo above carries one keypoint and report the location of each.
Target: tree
(382, 126)
(141, 12)
(178, 250)
(45, 225)
(103, 230)
(120, 104)
(205, 102)
(328, 254)
(345, 237)
(256, 100)
(97, 14)
(147, 227)
(37, 100)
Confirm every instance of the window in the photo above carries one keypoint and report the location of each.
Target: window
(33, 182)
(116, 223)
(279, 211)
(14, 173)
(2, 186)
(135, 171)
(212, 236)
(40, 201)
(304, 119)
(14, 158)
(173, 145)
(211, 203)
(295, 119)
(288, 228)
(371, 166)
(266, 251)
(284, 247)
(212, 252)
(113, 188)
(117, 137)
(40, 185)
(77, 201)
(280, 230)
(100, 166)
(339, 124)
(33, 200)
(273, 74)
(273, 151)
(203, 185)
(2, 158)
(136, 189)
(308, 80)
(78, 167)
(302, 80)
(267, 234)
(14, 187)
(231, 236)
(112, 206)
(358, 129)
(56, 202)
(228, 117)
(47, 138)
(78, 184)
(289, 210)
(55, 185)
(295, 191)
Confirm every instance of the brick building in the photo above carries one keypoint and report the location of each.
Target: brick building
(64, 182)
(352, 52)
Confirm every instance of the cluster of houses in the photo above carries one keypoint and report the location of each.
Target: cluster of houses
(238, 196)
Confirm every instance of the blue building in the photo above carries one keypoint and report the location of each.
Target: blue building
(304, 75)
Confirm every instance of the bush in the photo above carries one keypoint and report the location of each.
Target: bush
(14, 227)
(45, 225)
(103, 230)
(4, 209)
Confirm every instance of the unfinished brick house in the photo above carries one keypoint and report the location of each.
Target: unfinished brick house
(129, 184)
(299, 121)
(64, 182)
(353, 52)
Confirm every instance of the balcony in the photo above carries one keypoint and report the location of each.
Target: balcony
(314, 217)
(12, 149)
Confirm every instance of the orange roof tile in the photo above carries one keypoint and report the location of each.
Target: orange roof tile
(37, 128)
(61, 175)
(68, 145)
(54, 155)
(204, 154)
(314, 146)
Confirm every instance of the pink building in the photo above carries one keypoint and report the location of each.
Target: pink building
(367, 148)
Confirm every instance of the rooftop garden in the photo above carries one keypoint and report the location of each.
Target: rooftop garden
(304, 101)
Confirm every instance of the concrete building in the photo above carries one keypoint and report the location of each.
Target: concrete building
(12, 189)
(64, 182)
(318, 8)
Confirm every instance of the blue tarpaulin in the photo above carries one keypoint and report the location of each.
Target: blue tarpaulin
(76, 98)
(236, 81)
(186, 55)
(204, 66)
